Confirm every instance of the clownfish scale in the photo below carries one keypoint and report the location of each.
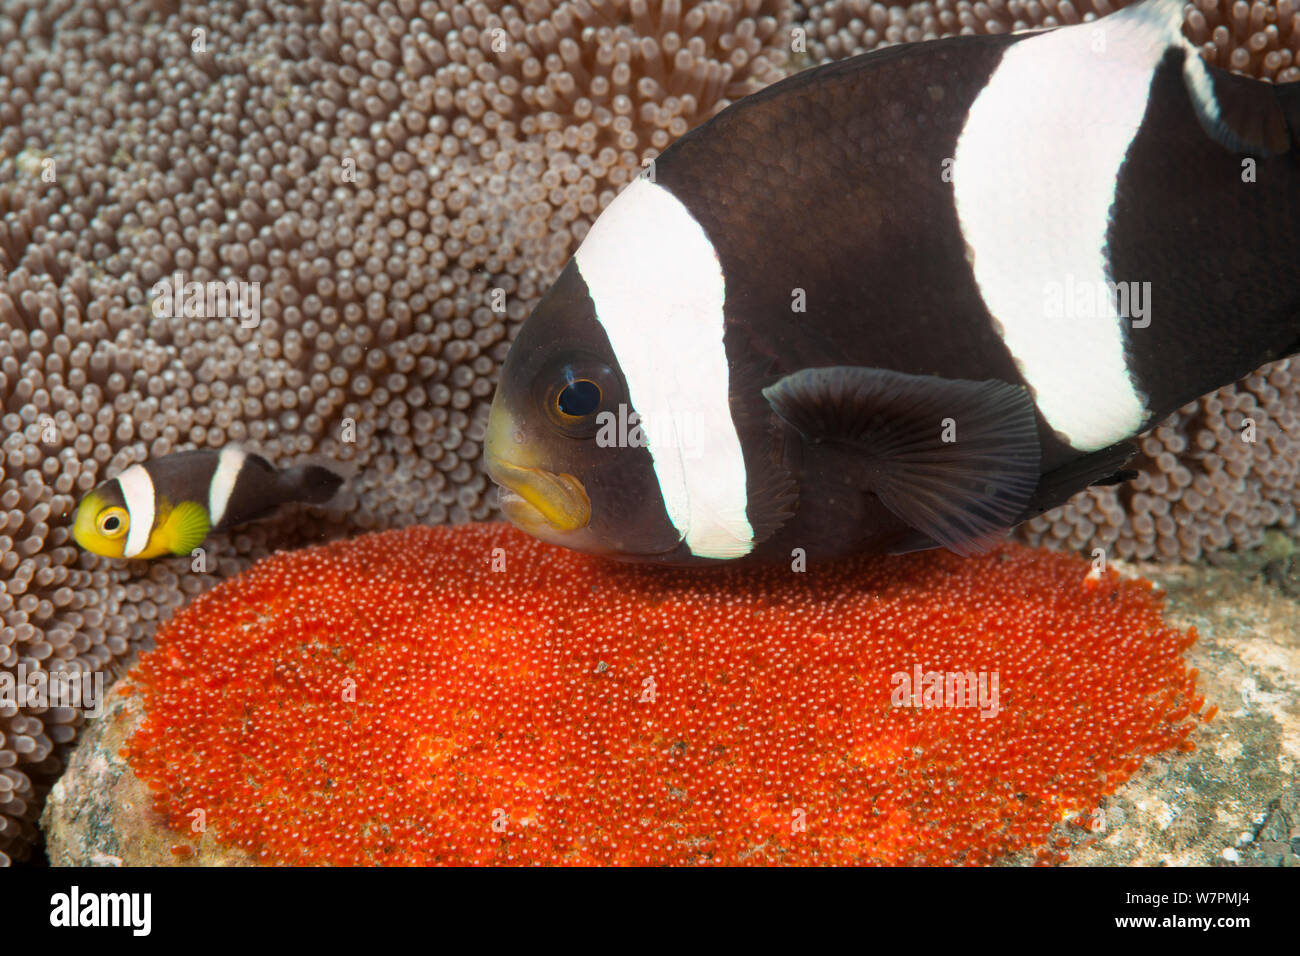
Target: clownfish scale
(917, 296)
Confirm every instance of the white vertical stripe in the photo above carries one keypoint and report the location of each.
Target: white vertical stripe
(1034, 181)
(138, 493)
(229, 464)
(658, 290)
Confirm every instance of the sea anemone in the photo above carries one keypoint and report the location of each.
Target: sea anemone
(470, 695)
(1216, 474)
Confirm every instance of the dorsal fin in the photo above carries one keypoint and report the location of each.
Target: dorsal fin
(1244, 115)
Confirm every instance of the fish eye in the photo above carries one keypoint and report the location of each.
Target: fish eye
(574, 390)
(112, 522)
(579, 398)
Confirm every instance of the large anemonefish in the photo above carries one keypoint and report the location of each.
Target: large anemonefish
(908, 299)
(168, 506)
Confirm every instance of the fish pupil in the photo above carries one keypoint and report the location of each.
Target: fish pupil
(579, 398)
(111, 523)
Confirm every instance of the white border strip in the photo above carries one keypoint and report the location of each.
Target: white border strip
(229, 463)
(1034, 181)
(658, 289)
(138, 493)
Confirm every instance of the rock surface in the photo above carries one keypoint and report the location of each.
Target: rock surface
(99, 813)
(1235, 800)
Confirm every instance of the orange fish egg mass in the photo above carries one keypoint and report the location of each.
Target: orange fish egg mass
(469, 695)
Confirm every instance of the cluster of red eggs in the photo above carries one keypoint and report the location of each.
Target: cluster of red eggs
(470, 695)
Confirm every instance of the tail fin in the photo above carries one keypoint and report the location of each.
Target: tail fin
(313, 484)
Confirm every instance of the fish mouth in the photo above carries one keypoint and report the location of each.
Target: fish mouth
(534, 499)
(537, 501)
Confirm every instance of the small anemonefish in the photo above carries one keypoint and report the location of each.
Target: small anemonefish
(170, 505)
(908, 299)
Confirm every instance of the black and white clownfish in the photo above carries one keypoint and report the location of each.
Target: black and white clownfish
(170, 505)
(908, 299)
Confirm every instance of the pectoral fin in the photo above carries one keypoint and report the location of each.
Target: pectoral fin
(187, 526)
(956, 460)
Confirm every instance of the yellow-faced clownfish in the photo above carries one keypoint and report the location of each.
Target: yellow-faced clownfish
(169, 506)
(907, 300)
